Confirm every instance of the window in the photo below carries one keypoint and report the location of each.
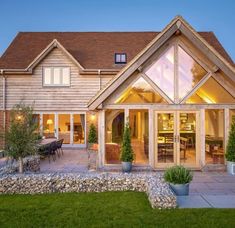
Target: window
(139, 92)
(175, 84)
(56, 76)
(120, 58)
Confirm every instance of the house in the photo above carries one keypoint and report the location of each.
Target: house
(176, 88)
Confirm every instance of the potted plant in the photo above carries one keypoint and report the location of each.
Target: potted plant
(178, 178)
(230, 150)
(92, 148)
(127, 154)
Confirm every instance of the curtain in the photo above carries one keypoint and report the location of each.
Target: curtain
(82, 117)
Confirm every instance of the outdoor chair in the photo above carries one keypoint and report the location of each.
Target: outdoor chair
(46, 151)
(59, 144)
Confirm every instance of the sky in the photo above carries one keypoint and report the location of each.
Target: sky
(116, 15)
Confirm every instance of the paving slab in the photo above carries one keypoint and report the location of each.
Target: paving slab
(192, 201)
(220, 201)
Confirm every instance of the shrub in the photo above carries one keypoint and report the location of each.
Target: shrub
(21, 136)
(92, 136)
(127, 154)
(178, 175)
(230, 149)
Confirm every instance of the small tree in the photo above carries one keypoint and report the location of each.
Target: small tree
(127, 154)
(92, 136)
(21, 136)
(230, 150)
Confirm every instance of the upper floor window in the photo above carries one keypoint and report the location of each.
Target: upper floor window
(56, 76)
(120, 58)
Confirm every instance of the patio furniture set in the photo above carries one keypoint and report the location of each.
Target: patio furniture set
(51, 148)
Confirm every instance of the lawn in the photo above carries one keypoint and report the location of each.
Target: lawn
(108, 209)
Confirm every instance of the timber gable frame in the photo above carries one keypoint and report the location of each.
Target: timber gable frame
(176, 26)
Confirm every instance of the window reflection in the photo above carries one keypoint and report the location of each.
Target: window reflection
(162, 73)
(190, 73)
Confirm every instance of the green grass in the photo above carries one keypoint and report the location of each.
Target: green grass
(108, 209)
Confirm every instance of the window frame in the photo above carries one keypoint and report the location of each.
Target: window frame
(120, 54)
(176, 45)
(52, 76)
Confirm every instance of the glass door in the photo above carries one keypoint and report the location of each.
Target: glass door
(187, 138)
(176, 139)
(64, 128)
(165, 140)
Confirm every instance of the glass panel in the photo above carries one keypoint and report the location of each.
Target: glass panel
(47, 76)
(211, 92)
(188, 138)
(165, 136)
(162, 73)
(139, 124)
(66, 76)
(140, 92)
(36, 120)
(56, 76)
(48, 125)
(79, 128)
(190, 73)
(64, 127)
(114, 126)
(214, 127)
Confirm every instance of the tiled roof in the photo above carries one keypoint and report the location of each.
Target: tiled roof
(93, 50)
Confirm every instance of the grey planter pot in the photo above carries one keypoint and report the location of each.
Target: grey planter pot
(126, 167)
(180, 189)
(231, 167)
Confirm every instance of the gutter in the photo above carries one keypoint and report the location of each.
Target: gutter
(3, 98)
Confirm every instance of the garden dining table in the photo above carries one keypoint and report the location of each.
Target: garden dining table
(47, 141)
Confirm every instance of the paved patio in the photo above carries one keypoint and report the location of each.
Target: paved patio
(72, 161)
(208, 190)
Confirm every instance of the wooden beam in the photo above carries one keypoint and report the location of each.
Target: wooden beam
(101, 138)
(225, 84)
(206, 50)
(226, 127)
(156, 88)
(201, 83)
(151, 137)
(202, 138)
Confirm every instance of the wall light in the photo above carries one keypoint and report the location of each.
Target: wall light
(93, 116)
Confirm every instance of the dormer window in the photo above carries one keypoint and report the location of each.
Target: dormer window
(120, 58)
(56, 76)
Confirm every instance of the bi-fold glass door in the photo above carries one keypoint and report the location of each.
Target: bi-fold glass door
(176, 138)
(71, 127)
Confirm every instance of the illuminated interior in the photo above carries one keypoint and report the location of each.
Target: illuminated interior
(64, 127)
(139, 124)
(187, 138)
(214, 130)
(79, 129)
(165, 136)
(48, 125)
(114, 127)
(211, 92)
(140, 92)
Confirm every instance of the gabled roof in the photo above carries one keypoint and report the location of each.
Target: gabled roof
(177, 24)
(93, 50)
